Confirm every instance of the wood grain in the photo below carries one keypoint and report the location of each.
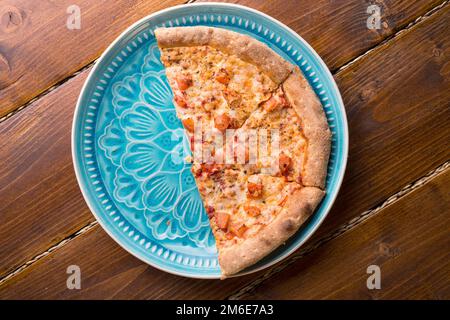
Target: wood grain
(398, 113)
(41, 202)
(337, 30)
(37, 49)
(108, 272)
(399, 132)
(34, 36)
(408, 240)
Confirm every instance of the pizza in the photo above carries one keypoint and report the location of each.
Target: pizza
(259, 138)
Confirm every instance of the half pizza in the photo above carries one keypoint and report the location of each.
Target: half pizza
(259, 137)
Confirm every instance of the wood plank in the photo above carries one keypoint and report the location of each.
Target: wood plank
(41, 201)
(413, 127)
(37, 49)
(337, 30)
(108, 272)
(28, 24)
(408, 240)
(397, 108)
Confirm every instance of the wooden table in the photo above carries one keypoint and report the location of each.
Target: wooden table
(392, 211)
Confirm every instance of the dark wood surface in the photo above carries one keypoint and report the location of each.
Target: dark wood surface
(397, 101)
(337, 30)
(38, 50)
(408, 240)
(41, 201)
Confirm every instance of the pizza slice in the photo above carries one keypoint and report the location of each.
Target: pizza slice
(232, 85)
(304, 137)
(251, 214)
(217, 75)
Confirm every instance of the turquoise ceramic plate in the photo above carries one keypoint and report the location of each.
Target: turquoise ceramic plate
(127, 142)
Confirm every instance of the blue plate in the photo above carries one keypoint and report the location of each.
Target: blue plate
(127, 142)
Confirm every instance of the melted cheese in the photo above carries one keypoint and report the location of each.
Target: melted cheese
(241, 98)
(246, 89)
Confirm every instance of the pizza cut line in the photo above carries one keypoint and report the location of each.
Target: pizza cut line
(229, 81)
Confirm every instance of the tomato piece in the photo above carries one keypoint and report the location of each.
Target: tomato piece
(222, 122)
(222, 219)
(271, 104)
(180, 101)
(285, 164)
(184, 82)
(252, 211)
(239, 230)
(197, 170)
(211, 168)
(223, 77)
(254, 190)
(276, 101)
(188, 123)
(282, 100)
(210, 211)
(192, 143)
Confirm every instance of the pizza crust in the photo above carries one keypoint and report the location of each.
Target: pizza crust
(314, 126)
(246, 48)
(299, 206)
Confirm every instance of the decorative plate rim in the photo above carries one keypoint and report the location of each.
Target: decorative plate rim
(77, 115)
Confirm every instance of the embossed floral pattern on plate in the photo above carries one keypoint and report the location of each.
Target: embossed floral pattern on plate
(146, 144)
